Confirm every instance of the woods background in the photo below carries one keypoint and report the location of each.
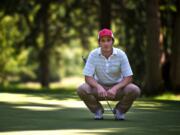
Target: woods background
(44, 40)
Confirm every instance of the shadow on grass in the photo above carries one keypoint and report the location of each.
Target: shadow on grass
(57, 93)
(146, 117)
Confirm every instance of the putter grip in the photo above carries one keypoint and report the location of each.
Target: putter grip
(84, 59)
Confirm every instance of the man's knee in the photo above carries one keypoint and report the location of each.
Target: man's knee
(83, 89)
(80, 90)
(133, 90)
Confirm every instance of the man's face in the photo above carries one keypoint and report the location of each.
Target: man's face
(106, 43)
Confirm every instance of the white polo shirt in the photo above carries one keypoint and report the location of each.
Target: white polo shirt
(107, 71)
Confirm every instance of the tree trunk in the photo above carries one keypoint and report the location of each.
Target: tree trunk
(105, 14)
(175, 61)
(45, 50)
(153, 82)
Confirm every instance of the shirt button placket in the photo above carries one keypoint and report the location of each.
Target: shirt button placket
(107, 66)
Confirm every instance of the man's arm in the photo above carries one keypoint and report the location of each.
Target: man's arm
(124, 82)
(112, 92)
(93, 83)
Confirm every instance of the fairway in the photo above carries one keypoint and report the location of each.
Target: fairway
(53, 113)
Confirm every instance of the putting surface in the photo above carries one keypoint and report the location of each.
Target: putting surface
(52, 114)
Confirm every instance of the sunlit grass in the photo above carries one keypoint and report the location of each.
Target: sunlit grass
(38, 108)
(70, 82)
(65, 132)
(168, 96)
(38, 99)
(148, 105)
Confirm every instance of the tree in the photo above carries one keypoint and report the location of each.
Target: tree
(44, 54)
(153, 82)
(105, 14)
(38, 27)
(175, 58)
(132, 14)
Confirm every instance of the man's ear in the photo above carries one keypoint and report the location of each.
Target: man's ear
(99, 43)
(113, 40)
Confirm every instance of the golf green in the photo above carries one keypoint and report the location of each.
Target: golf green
(52, 114)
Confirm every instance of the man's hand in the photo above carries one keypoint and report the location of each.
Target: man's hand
(101, 91)
(111, 93)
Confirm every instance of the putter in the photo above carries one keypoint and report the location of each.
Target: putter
(109, 105)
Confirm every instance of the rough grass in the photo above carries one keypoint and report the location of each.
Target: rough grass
(60, 112)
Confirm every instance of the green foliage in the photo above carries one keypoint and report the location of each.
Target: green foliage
(71, 32)
(130, 30)
(11, 62)
(71, 60)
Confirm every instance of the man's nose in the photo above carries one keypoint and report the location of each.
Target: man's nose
(106, 43)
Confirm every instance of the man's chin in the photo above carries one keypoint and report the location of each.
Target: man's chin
(107, 50)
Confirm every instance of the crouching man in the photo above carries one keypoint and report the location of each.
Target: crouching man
(108, 76)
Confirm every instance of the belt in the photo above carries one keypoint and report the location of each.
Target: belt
(108, 85)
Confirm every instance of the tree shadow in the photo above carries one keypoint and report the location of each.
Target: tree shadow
(57, 93)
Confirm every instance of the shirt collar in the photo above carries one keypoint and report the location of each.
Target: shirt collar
(114, 51)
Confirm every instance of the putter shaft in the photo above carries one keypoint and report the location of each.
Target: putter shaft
(109, 105)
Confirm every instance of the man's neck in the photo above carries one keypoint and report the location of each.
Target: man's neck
(107, 54)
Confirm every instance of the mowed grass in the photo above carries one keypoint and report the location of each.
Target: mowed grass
(62, 113)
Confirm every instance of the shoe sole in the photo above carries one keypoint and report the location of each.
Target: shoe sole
(98, 118)
(119, 119)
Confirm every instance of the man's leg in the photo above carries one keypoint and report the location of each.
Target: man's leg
(88, 95)
(127, 96)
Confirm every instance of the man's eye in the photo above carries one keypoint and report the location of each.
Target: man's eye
(102, 41)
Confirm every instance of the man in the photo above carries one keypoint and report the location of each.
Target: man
(108, 76)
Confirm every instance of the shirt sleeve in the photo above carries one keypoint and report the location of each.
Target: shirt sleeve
(125, 66)
(89, 68)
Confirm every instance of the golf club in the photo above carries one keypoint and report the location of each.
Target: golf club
(109, 105)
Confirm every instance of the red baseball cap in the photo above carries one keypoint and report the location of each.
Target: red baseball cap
(105, 32)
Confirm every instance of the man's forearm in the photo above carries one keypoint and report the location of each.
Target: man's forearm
(124, 82)
(91, 81)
